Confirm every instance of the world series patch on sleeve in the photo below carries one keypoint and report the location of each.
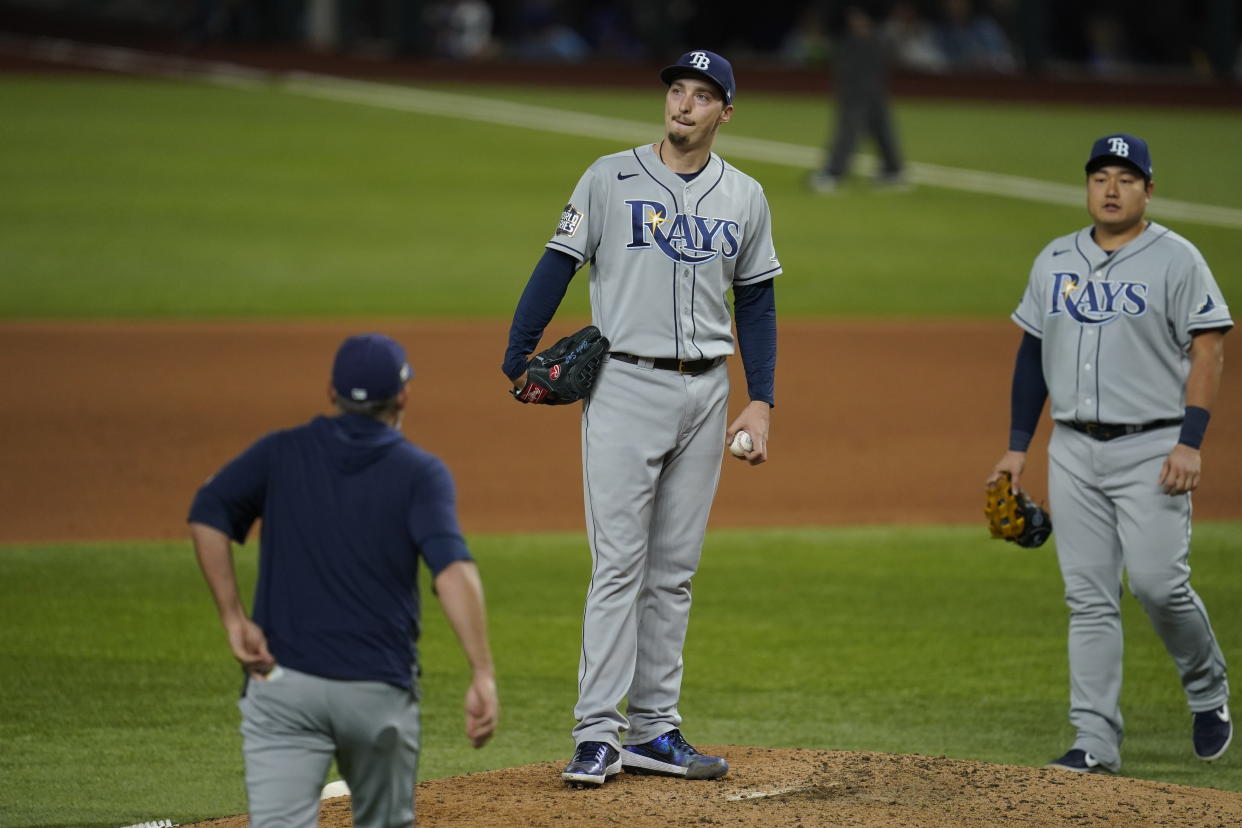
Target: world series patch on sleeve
(566, 372)
(1014, 516)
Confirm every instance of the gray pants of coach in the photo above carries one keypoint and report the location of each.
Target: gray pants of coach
(292, 726)
(1108, 514)
(652, 443)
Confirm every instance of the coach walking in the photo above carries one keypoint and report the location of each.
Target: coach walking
(348, 507)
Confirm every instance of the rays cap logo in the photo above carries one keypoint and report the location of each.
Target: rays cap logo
(370, 367)
(703, 64)
(1120, 149)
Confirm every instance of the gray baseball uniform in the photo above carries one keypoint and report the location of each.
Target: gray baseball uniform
(1116, 330)
(664, 252)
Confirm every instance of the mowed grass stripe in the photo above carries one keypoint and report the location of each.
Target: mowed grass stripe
(528, 116)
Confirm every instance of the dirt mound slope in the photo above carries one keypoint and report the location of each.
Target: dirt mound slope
(784, 787)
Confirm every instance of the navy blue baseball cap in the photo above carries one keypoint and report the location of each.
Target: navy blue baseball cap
(1120, 149)
(369, 367)
(703, 64)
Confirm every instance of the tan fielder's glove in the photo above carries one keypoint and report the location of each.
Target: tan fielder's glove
(1015, 517)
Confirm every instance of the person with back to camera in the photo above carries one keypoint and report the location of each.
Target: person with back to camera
(348, 507)
(1123, 329)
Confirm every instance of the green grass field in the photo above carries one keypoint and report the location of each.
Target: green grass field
(120, 689)
(152, 199)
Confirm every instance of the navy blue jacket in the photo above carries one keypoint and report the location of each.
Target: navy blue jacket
(348, 506)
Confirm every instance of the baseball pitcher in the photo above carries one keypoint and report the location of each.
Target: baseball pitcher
(669, 228)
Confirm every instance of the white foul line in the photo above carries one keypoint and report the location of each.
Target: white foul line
(548, 119)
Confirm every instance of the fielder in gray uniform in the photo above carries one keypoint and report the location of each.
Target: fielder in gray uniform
(669, 228)
(1124, 330)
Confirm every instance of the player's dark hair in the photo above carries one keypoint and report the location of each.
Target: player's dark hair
(374, 409)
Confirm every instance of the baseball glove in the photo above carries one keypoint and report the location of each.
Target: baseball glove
(565, 372)
(1015, 517)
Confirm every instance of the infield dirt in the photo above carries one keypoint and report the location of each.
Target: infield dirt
(107, 429)
(807, 788)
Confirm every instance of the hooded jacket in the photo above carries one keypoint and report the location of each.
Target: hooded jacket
(348, 505)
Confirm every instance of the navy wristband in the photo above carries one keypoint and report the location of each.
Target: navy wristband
(1194, 425)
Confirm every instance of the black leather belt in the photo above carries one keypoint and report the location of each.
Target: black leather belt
(1107, 431)
(681, 366)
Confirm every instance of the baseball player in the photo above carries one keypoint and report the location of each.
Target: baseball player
(348, 508)
(669, 228)
(1124, 330)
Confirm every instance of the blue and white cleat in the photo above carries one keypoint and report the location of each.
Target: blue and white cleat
(1078, 761)
(672, 755)
(1212, 733)
(592, 764)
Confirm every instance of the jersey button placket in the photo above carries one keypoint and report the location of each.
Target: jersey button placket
(687, 312)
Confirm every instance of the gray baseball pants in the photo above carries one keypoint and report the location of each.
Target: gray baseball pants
(856, 118)
(1109, 513)
(294, 723)
(652, 443)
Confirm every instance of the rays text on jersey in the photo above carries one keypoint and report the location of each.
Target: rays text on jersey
(1096, 303)
(688, 239)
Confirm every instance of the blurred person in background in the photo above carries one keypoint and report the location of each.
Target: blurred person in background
(914, 43)
(461, 28)
(544, 34)
(861, 80)
(972, 39)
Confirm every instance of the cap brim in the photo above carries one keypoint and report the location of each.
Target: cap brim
(671, 73)
(1113, 160)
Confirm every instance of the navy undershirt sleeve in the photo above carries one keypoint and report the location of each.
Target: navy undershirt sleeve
(542, 296)
(1029, 391)
(754, 311)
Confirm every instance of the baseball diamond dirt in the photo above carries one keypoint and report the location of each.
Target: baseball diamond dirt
(127, 419)
(846, 424)
(774, 787)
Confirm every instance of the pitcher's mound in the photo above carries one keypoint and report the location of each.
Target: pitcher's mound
(781, 787)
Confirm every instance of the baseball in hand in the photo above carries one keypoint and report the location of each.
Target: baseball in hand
(741, 445)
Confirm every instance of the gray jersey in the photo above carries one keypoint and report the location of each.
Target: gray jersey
(1116, 328)
(664, 251)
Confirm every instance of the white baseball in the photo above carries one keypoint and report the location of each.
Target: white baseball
(742, 444)
(334, 789)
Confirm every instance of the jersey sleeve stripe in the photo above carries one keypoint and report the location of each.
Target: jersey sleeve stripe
(564, 248)
(1210, 325)
(758, 277)
(1026, 326)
